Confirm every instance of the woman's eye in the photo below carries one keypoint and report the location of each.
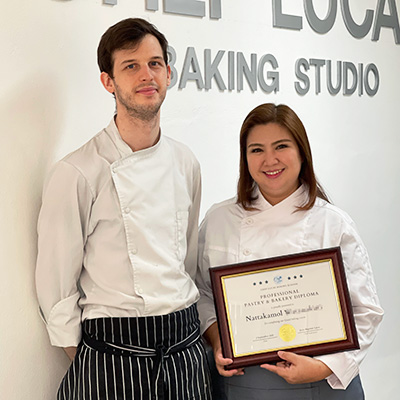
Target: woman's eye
(281, 146)
(256, 150)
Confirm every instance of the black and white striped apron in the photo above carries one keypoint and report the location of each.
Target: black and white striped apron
(145, 358)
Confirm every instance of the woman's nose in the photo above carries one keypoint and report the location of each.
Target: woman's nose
(270, 158)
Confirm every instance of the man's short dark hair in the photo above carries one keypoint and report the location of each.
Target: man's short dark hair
(126, 34)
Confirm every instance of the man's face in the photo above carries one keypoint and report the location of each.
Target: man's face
(140, 79)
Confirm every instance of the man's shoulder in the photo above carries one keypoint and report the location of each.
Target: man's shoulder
(96, 147)
(182, 151)
(179, 147)
(92, 160)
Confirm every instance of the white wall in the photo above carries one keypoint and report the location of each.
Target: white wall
(52, 101)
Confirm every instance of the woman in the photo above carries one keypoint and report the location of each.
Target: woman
(280, 208)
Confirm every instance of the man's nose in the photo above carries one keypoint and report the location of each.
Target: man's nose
(146, 73)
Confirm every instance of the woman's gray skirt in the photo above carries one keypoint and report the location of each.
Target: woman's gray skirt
(260, 384)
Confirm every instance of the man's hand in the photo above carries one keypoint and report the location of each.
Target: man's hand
(71, 352)
(298, 369)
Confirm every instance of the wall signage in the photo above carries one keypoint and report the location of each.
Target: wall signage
(194, 8)
(375, 20)
(262, 72)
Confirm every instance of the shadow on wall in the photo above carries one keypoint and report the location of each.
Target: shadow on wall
(32, 116)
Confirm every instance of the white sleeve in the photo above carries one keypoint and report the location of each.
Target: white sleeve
(367, 311)
(193, 223)
(205, 304)
(62, 231)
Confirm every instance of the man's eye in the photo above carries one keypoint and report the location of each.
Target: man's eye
(130, 66)
(155, 63)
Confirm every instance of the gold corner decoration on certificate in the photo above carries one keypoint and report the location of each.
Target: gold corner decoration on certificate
(298, 302)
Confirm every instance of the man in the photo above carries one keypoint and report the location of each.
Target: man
(118, 241)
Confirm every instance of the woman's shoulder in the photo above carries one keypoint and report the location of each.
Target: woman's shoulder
(331, 211)
(223, 213)
(222, 208)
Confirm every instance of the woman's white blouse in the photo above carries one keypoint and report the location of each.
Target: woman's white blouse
(229, 234)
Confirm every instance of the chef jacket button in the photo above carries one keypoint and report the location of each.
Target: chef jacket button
(246, 252)
(134, 251)
(249, 221)
(127, 210)
(114, 170)
(140, 291)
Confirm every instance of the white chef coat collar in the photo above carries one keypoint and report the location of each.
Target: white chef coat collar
(122, 146)
(296, 199)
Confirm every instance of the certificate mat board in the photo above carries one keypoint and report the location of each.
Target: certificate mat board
(298, 302)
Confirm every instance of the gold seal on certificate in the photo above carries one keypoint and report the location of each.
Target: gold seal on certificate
(287, 332)
(298, 302)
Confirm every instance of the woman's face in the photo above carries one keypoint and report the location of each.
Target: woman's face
(274, 161)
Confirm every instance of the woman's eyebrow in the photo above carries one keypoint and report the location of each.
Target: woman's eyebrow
(282, 141)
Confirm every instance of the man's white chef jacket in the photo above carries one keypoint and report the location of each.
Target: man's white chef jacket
(117, 234)
(229, 234)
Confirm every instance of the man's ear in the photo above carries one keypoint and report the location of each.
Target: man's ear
(168, 75)
(107, 82)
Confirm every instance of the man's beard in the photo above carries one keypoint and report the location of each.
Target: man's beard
(144, 113)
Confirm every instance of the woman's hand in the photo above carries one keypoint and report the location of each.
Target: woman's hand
(298, 369)
(212, 336)
(220, 362)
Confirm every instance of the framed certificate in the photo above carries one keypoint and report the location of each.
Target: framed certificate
(299, 302)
